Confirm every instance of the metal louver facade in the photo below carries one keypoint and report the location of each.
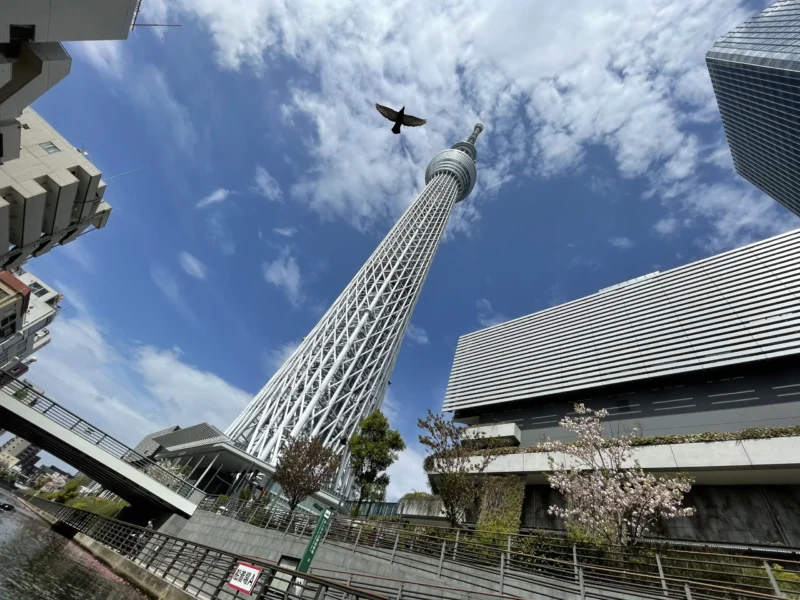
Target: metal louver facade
(755, 71)
(736, 307)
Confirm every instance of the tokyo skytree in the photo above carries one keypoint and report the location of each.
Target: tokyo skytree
(338, 375)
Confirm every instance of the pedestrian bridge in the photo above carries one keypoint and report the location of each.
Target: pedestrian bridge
(118, 468)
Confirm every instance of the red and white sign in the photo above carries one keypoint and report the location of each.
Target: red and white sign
(245, 577)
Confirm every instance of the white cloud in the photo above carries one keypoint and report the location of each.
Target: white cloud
(622, 243)
(547, 80)
(221, 236)
(168, 285)
(104, 55)
(77, 252)
(391, 408)
(152, 92)
(192, 266)
(417, 335)
(284, 273)
(275, 357)
(146, 85)
(487, 317)
(214, 197)
(738, 214)
(407, 474)
(667, 226)
(128, 390)
(267, 186)
(285, 231)
(185, 391)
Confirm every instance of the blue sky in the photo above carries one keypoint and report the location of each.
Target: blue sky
(270, 178)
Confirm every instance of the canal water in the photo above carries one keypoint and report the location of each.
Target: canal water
(38, 564)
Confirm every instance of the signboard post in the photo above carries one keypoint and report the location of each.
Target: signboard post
(244, 578)
(316, 539)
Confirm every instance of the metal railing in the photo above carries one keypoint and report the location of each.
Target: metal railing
(373, 509)
(28, 396)
(199, 570)
(511, 562)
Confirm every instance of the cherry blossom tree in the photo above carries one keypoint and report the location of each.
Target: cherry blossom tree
(53, 483)
(607, 494)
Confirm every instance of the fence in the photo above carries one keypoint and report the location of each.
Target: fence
(26, 395)
(373, 509)
(201, 571)
(517, 559)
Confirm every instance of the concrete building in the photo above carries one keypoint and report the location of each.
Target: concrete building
(49, 192)
(32, 58)
(24, 322)
(708, 348)
(49, 195)
(18, 453)
(755, 70)
(148, 447)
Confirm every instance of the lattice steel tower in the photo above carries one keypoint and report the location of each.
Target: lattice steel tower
(339, 373)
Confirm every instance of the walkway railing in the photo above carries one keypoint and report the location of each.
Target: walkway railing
(199, 570)
(514, 560)
(26, 395)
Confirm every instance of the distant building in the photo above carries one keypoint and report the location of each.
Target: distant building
(709, 348)
(18, 453)
(49, 470)
(755, 70)
(27, 307)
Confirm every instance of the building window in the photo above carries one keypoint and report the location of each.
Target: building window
(37, 289)
(50, 147)
(22, 346)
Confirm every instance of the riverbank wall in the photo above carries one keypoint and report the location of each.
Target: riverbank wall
(139, 576)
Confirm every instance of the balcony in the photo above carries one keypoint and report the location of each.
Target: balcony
(495, 434)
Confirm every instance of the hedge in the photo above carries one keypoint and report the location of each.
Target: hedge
(755, 433)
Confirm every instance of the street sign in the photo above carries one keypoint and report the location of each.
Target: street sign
(315, 541)
(244, 577)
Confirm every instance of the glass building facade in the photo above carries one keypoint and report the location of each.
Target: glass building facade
(755, 71)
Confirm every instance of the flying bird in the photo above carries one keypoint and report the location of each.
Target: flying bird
(399, 118)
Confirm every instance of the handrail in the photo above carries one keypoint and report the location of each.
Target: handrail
(198, 569)
(88, 432)
(528, 555)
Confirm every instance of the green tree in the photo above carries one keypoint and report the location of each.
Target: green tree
(373, 449)
(71, 489)
(454, 463)
(304, 467)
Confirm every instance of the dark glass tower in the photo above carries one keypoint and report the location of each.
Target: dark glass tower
(755, 70)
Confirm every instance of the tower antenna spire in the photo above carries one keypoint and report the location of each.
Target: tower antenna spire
(475, 133)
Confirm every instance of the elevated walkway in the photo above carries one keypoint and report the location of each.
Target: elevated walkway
(115, 466)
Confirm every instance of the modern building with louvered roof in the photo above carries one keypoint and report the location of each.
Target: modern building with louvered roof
(709, 347)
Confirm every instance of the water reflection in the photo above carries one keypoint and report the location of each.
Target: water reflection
(38, 564)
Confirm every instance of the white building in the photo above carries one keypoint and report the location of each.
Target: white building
(49, 192)
(27, 307)
(49, 196)
(32, 58)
